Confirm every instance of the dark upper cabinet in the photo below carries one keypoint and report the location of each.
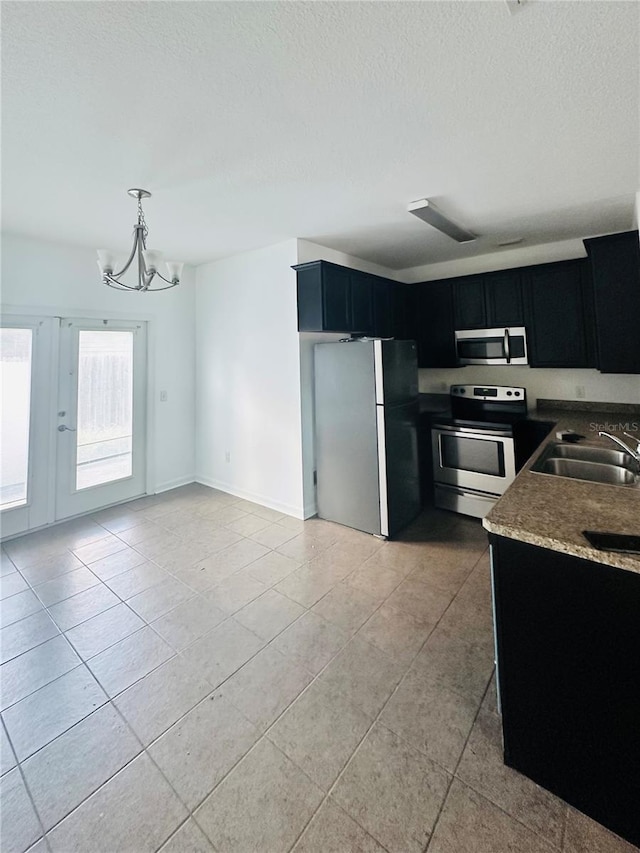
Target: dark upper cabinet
(488, 300)
(469, 303)
(615, 269)
(361, 303)
(503, 298)
(435, 324)
(559, 320)
(384, 324)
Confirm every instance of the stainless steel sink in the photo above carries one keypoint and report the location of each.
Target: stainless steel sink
(588, 453)
(578, 469)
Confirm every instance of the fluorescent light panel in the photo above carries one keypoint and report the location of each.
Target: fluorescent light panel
(429, 213)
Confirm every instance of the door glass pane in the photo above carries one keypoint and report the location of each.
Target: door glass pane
(105, 407)
(15, 375)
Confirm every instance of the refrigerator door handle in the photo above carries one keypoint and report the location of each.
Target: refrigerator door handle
(382, 472)
(378, 371)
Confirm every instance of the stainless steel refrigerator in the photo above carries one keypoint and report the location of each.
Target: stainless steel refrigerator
(366, 416)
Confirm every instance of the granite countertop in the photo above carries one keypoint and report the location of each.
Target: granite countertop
(552, 511)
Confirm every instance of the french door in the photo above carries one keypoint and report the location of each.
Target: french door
(100, 420)
(73, 417)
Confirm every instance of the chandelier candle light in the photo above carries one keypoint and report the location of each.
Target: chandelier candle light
(148, 259)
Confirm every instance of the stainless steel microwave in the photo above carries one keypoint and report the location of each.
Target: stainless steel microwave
(492, 346)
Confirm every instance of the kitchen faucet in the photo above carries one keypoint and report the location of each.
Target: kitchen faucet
(635, 454)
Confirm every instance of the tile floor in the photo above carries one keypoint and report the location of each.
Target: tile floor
(193, 672)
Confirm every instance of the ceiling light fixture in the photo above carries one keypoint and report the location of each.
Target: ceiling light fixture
(148, 259)
(429, 213)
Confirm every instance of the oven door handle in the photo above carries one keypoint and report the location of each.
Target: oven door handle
(506, 347)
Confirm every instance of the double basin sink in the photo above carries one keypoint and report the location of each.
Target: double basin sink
(588, 462)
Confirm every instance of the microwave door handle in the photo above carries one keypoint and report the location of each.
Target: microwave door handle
(506, 346)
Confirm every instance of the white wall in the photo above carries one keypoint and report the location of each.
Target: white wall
(248, 378)
(56, 280)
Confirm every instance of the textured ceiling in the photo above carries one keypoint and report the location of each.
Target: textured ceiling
(255, 122)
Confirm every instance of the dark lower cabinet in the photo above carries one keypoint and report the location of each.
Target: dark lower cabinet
(568, 654)
(559, 315)
(615, 267)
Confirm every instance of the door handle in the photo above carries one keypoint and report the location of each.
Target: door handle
(507, 350)
(65, 428)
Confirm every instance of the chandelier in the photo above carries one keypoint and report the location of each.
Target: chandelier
(148, 259)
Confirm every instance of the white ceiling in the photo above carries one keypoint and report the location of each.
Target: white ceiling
(255, 122)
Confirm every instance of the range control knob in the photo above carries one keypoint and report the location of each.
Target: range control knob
(517, 393)
(509, 393)
(462, 391)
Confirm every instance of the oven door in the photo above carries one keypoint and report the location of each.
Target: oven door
(492, 346)
(473, 459)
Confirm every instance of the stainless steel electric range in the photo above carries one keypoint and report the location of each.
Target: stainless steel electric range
(474, 456)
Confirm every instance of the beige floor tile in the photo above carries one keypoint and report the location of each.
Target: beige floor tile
(271, 515)
(363, 675)
(420, 600)
(140, 531)
(202, 747)
(161, 599)
(584, 835)
(117, 518)
(51, 568)
(117, 564)
(79, 608)
(311, 641)
(26, 634)
(19, 827)
(430, 717)
(65, 586)
(263, 805)
(135, 810)
(444, 569)
(376, 579)
(265, 686)
(271, 568)
(19, 606)
(347, 607)
(319, 735)
(393, 791)
(188, 839)
(11, 584)
(292, 523)
(74, 765)
(188, 622)
(247, 525)
(42, 716)
(159, 544)
(308, 584)
(338, 561)
(482, 768)
(235, 591)
(333, 831)
(104, 630)
(137, 579)
(231, 559)
(269, 614)
(461, 666)
(7, 757)
(469, 620)
(97, 550)
(395, 632)
(33, 669)
(7, 566)
(470, 823)
(302, 547)
(159, 699)
(227, 514)
(119, 666)
(404, 557)
(222, 651)
(273, 535)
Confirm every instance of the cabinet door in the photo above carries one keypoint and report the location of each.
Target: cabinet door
(361, 303)
(615, 266)
(383, 307)
(435, 331)
(469, 302)
(503, 296)
(336, 299)
(557, 320)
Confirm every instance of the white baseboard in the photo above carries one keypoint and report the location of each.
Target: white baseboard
(173, 484)
(254, 497)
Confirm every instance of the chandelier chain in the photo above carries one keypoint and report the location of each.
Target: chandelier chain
(141, 220)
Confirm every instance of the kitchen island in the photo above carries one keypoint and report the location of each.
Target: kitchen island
(567, 619)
